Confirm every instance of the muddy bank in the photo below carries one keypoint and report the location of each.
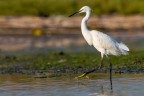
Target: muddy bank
(62, 62)
(55, 23)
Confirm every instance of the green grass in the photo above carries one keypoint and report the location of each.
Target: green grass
(71, 62)
(66, 7)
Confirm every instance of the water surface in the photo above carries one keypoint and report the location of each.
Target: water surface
(21, 85)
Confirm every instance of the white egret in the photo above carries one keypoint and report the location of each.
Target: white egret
(105, 44)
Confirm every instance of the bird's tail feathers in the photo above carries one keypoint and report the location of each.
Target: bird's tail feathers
(124, 52)
(123, 46)
(124, 49)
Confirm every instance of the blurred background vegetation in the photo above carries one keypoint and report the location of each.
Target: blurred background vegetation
(57, 44)
(47, 8)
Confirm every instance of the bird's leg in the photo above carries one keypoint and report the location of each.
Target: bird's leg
(93, 70)
(101, 64)
(86, 73)
(110, 72)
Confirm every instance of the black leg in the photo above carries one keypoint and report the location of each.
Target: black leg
(93, 70)
(86, 73)
(110, 73)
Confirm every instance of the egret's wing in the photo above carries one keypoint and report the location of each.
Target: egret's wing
(107, 43)
(103, 40)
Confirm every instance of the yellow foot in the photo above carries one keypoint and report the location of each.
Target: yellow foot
(83, 75)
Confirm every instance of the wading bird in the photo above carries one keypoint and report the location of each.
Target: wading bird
(105, 44)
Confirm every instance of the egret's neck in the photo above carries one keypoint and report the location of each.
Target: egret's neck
(85, 30)
(84, 22)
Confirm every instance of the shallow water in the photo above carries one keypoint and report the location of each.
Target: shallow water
(21, 85)
(67, 41)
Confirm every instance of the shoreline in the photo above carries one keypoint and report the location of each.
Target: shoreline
(56, 22)
(60, 63)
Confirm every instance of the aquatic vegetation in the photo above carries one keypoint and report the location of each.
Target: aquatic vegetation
(70, 63)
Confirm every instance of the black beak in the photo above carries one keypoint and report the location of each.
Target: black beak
(74, 13)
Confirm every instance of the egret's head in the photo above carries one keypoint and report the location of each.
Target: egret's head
(82, 10)
(85, 9)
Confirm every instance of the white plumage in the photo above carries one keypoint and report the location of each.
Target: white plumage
(105, 44)
(102, 42)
